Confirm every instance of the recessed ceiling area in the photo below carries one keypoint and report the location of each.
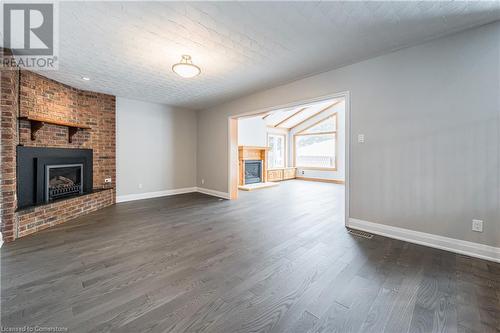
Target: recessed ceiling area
(128, 48)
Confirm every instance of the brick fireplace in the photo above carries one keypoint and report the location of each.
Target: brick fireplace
(40, 114)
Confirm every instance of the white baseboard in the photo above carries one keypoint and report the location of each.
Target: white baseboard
(444, 243)
(157, 194)
(149, 195)
(223, 195)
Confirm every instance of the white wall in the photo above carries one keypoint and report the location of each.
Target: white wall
(252, 132)
(155, 147)
(338, 174)
(431, 117)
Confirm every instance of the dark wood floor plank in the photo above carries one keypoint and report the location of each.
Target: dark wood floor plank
(304, 323)
(196, 263)
(400, 313)
(357, 299)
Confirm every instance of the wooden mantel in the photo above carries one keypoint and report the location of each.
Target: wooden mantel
(38, 122)
(252, 153)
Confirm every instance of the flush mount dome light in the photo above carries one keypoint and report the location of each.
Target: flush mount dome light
(186, 68)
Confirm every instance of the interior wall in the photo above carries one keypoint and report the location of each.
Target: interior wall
(252, 132)
(156, 147)
(431, 120)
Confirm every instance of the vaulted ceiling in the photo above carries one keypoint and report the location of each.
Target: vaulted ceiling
(128, 48)
(289, 118)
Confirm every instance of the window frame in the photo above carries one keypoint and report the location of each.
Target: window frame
(285, 151)
(300, 133)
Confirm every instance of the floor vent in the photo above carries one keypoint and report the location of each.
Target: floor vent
(360, 233)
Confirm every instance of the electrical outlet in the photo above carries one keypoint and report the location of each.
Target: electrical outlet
(477, 225)
(107, 180)
(202, 181)
(139, 185)
(361, 138)
(302, 172)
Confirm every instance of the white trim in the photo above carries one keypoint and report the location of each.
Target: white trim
(157, 194)
(149, 195)
(229, 154)
(347, 154)
(214, 193)
(440, 242)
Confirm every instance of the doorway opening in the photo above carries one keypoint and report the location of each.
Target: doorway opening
(303, 142)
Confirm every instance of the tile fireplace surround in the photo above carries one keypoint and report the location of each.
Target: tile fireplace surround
(39, 112)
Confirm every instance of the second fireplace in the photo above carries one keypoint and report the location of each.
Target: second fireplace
(253, 171)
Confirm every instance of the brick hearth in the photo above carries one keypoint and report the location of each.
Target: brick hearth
(24, 94)
(38, 218)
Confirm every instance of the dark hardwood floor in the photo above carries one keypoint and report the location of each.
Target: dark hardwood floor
(277, 260)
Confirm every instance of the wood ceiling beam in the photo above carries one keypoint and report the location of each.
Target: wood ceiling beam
(280, 128)
(293, 115)
(315, 114)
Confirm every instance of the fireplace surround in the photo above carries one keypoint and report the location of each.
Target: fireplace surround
(255, 158)
(48, 174)
(253, 171)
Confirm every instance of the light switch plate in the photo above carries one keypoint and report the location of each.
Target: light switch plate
(361, 138)
(477, 225)
(107, 180)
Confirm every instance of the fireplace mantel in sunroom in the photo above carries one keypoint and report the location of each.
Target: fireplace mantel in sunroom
(257, 153)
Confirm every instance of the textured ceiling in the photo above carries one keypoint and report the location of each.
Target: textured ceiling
(128, 48)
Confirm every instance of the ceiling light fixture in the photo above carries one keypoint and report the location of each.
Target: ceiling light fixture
(85, 78)
(186, 68)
